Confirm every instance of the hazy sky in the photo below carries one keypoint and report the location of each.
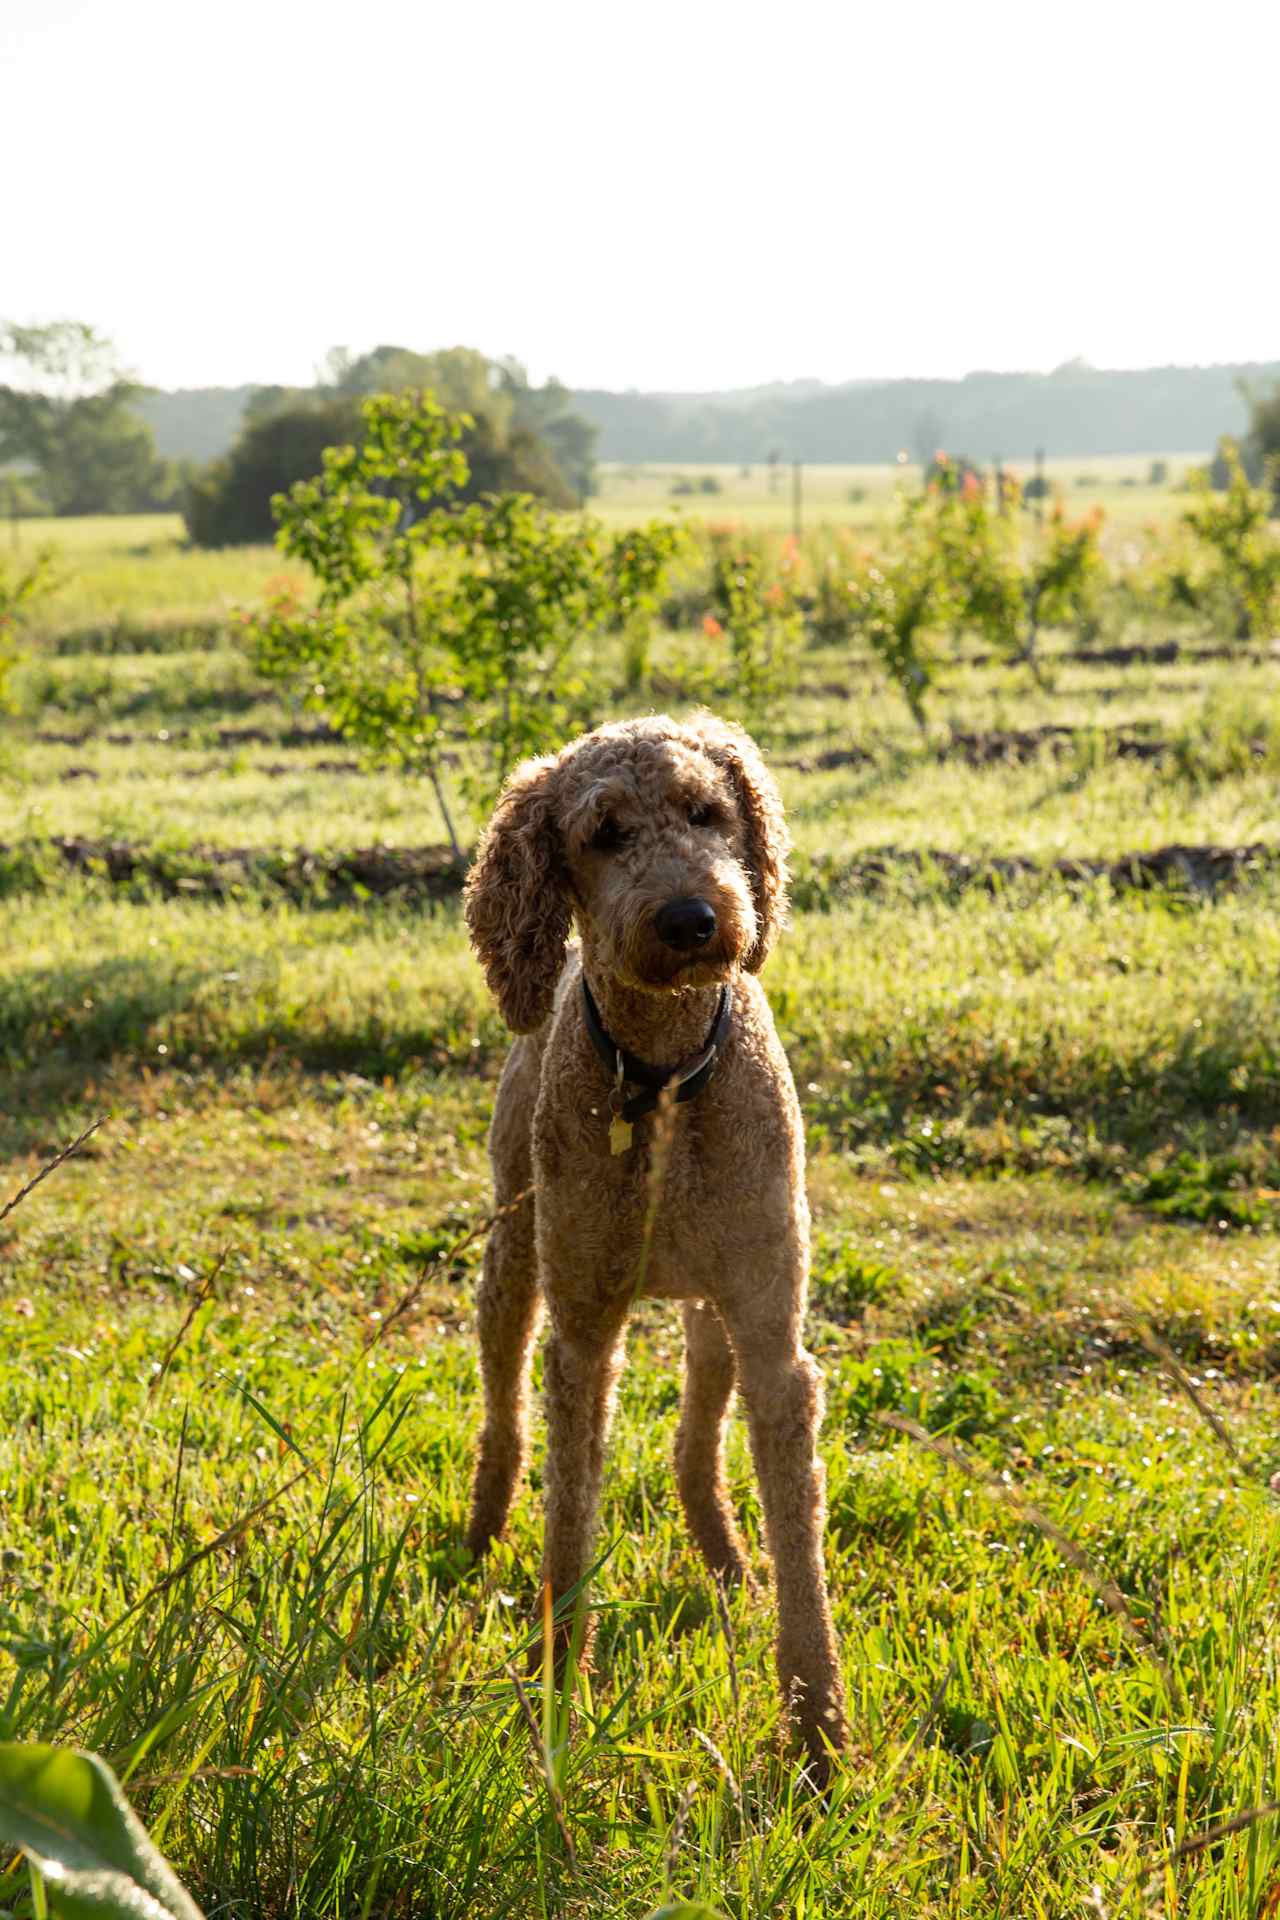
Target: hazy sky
(655, 195)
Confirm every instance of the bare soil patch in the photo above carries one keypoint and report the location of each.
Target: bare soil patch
(430, 873)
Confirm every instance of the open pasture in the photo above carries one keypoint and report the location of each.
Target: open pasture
(127, 578)
(238, 1391)
(861, 497)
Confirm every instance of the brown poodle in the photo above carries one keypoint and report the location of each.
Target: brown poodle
(665, 845)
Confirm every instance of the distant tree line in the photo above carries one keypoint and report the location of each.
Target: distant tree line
(79, 434)
(1259, 450)
(1077, 410)
(520, 438)
(73, 439)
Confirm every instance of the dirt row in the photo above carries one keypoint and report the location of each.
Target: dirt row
(313, 736)
(1154, 653)
(430, 873)
(268, 769)
(208, 636)
(666, 687)
(994, 746)
(1183, 869)
(1003, 746)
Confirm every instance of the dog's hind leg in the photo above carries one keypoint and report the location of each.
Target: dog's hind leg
(507, 1317)
(708, 1386)
(782, 1393)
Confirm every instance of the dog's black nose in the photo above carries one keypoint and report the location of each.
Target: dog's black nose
(685, 924)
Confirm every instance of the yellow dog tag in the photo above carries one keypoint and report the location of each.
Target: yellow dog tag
(620, 1132)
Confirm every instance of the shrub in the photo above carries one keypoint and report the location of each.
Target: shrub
(760, 621)
(20, 588)
(1233, 733)
(1245, 556)
(1262, 443)
(894, 608)
(958, 563)
(1066, 578)
(230, 503)
(978, 585)
(418, 600)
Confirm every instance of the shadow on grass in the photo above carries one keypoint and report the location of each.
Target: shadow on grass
(939, 1095)
(64, 1023)
(79, 1038)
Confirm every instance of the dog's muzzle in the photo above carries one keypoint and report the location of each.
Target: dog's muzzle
(685, 925)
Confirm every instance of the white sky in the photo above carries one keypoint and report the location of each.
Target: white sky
(706, 194)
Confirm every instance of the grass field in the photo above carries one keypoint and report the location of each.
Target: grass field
(1043, 1119)
(861, 496)
(121, 577)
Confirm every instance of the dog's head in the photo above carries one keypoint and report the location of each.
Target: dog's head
(666, 844)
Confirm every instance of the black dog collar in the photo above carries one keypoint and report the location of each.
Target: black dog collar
(690, 1077)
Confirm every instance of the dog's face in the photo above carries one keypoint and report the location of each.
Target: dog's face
(656, 854)
(666, 843)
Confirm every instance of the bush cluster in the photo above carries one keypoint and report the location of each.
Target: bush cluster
(425, 599)
(498, 602)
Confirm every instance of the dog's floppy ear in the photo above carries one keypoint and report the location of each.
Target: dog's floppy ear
(760, 805)
(517, 901)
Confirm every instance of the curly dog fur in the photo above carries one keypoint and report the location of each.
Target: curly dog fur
(623, 822)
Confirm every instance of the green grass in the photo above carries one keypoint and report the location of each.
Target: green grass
(316, 1710)
(134, 574)
(1044, 1137)
(172, 781)
(861, 497)
(1045, 809)
(138, 570)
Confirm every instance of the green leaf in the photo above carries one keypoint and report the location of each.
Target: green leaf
(97, 1896)
(685, 1910)
(68, 1814)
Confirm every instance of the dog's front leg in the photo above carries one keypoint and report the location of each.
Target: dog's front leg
(580, 1371)
(507, 1310)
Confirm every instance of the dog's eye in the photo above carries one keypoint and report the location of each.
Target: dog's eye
(608, 836)
(704, 815)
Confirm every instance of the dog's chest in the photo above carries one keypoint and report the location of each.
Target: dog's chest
(687, 1202)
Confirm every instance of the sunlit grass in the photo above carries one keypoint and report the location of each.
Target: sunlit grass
(138, 567)
(1035, 1119)
(319, 1703)
(171, 780)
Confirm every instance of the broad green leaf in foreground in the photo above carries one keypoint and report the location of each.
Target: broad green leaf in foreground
(68, 1814)
(683, 1910)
